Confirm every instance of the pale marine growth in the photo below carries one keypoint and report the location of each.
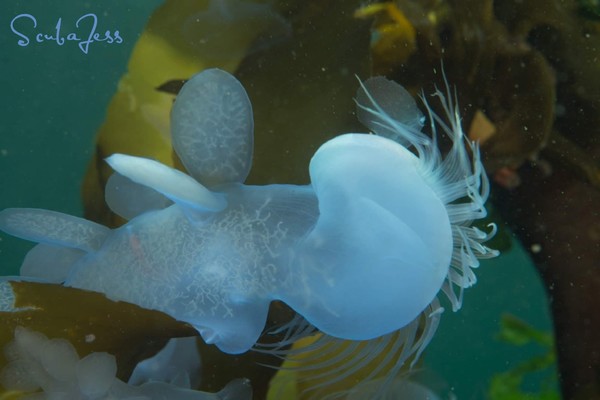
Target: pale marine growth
(43, 368)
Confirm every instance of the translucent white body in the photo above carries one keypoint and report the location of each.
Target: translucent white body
(359, 253)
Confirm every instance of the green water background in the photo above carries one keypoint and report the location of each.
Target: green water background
(54, 98)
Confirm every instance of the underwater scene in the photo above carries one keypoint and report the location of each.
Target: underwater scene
(300, 200)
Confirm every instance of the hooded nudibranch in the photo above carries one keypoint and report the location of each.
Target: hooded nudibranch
(360, 254)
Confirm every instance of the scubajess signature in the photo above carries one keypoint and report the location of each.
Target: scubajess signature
(25, 27)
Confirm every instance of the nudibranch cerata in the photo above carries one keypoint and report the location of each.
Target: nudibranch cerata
(360, 253)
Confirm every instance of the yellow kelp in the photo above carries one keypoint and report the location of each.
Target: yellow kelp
(393, 37)
(336, 369)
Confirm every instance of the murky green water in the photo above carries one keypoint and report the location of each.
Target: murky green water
(53, 100)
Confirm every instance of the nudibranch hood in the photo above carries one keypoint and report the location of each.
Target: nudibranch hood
(381, 248)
